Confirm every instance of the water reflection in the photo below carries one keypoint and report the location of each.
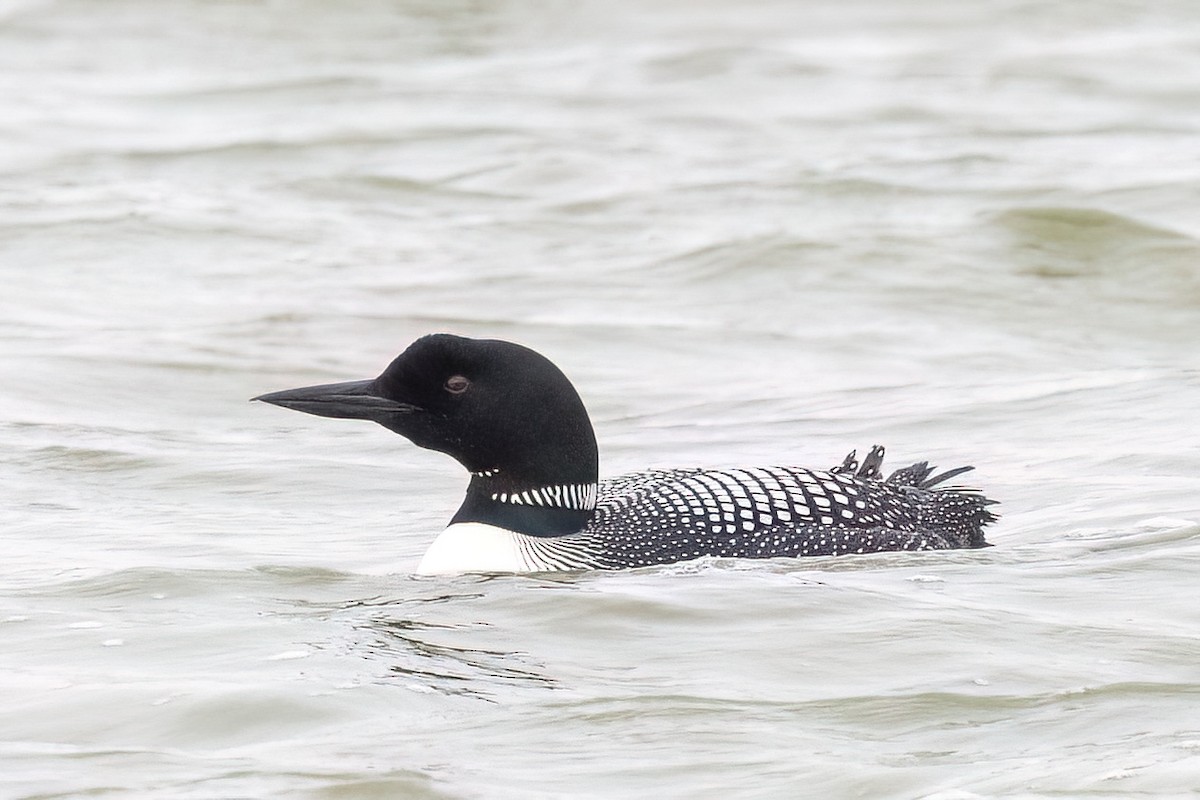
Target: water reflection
(452, 668)
(443, 656)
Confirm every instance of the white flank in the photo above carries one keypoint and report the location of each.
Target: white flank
(474, 547)
(468, 547)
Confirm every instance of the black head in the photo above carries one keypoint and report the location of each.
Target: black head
(504, 412)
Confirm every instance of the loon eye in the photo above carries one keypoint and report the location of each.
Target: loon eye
(457, 384)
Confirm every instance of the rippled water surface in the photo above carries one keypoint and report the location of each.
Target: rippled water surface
(752, 233)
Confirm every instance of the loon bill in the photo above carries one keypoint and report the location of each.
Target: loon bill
(535, 503)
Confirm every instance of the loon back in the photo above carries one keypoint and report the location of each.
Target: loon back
(534, 503)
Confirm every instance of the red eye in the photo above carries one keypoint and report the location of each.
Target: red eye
(457, 384)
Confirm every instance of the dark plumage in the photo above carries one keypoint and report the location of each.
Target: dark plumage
(534, 503)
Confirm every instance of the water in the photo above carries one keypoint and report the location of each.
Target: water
(751, 233)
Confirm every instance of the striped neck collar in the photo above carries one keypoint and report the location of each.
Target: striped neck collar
(529, 506)
(578, 496)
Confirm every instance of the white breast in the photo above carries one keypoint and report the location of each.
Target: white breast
(475, 547)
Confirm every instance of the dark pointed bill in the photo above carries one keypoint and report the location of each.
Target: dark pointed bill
(350, 400)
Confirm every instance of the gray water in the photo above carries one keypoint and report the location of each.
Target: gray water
(752, 233)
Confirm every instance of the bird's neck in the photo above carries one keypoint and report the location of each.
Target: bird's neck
(550, 496)
(540, 477)
(532, 508)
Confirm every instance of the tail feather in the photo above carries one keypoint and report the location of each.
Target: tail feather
(955, 512)
(959, 515)
(914, 475)
(870, 465)
(945, 476)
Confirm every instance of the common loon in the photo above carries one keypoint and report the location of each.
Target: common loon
(534, 502)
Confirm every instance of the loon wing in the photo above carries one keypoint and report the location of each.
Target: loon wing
(665, 516)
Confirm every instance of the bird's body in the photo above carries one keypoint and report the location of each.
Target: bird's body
(535, 504)
(664, 516)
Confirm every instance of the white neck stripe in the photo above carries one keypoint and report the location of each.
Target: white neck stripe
(581, 496)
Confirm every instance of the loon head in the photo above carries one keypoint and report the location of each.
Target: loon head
(503, 411)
